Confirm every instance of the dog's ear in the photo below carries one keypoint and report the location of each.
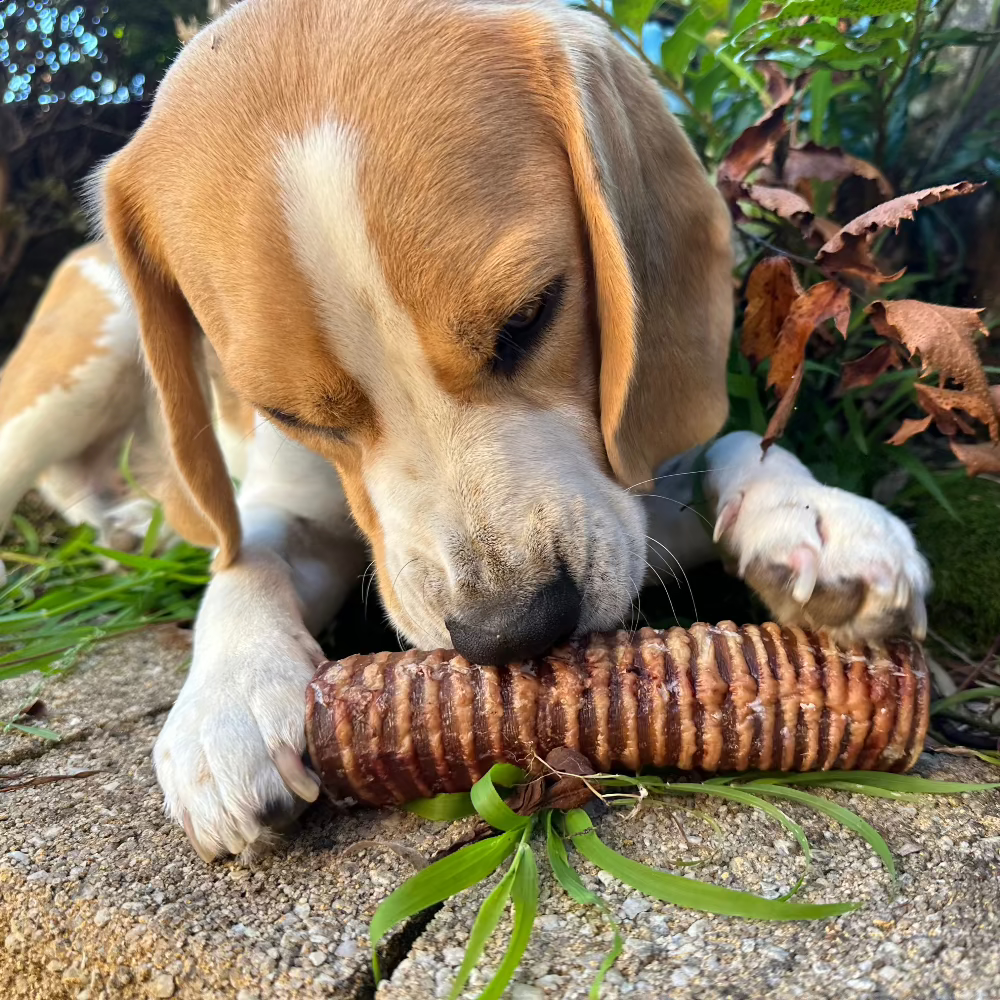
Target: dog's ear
(660, 247)
(170, 341)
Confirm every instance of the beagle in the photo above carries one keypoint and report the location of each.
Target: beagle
(453, 287)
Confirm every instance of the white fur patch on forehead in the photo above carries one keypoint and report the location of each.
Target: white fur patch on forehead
(370, 333)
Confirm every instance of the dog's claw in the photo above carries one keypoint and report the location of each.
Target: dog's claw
(295, 775)
(206, 855)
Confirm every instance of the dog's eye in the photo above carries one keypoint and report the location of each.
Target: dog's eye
(290, 420)
(522, 330)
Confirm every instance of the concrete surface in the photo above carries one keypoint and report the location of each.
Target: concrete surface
(101, 898)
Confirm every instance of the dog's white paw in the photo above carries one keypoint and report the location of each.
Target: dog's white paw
(824, 558)
(229, 757)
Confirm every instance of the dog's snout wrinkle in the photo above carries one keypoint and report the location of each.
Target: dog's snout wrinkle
(494, 634)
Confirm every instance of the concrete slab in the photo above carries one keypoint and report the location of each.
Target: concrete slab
(101, 897)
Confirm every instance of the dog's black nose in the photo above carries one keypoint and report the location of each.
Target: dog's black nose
(495, 635)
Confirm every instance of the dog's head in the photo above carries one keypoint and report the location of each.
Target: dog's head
(462, 251)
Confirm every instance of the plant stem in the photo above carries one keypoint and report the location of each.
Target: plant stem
(703, 120)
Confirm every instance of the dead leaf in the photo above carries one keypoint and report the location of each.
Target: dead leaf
(779, 87)
(566, 760)
(910, 428)
(812, 162)
(771, 289)
(754, 148)
(978, 459)
(779, 419)
(787, 204)
(944, 406)
(527, 797)
(823, 301)
(944, 337)
(864, 371)
(849, 250)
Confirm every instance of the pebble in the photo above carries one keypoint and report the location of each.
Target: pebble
(347, 949)
(861, 985)
(51, 832)
(161, 985)
(19, 857)
(635, 905)
(317, 957)
(519, 991)
(247, 995)
(698, 928)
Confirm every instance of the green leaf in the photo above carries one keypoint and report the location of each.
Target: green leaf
(845, 817)
(482, 930)
(491, 806)
(924, 476)
(960, 697)
(687, 892)
(443, 808)
(820, 89)
(846, 8)
(567, 877)
(678, 50)
(524, 893)
(26, 529)
(438, 882)
(633, 14)
(748, 14)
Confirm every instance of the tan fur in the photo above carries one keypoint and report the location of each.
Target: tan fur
(61, 336)
(531, 142)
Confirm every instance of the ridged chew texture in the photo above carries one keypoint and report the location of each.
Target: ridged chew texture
(393, 727)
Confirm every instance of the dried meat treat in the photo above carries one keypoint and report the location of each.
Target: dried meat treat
(393, 727)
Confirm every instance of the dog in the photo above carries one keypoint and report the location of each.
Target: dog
(454, 290)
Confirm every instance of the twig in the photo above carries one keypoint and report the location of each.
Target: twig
(981, 666)
(40, 779)
(805, 261)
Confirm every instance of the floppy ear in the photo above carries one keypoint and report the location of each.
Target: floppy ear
(202, 496)
(661, 255)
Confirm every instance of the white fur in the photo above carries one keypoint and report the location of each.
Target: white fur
(474, 503)
(243, 702)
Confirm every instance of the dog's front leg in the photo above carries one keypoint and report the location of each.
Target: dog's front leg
(229, 757)
(818, 556)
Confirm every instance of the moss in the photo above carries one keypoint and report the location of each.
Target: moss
(965, 560)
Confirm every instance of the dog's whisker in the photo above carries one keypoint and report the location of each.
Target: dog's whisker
(673, 575)
(694, 606)
(684, 505)
(676, 475)
(670, 600)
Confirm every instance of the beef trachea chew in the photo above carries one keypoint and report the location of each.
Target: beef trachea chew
(393, 727)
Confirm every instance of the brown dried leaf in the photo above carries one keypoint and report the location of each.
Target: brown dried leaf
(826, 300)
(944, 337)
(754, 148)
(779, 419)
(771, 289)
(978, 459)
(780, 88)
(943, 406)
(812, 162)
(910, 428)
(787, 204)
(864, 371)
(849, 251)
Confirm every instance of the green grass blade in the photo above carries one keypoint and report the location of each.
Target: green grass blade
(689, 893)
(40, 731)
(491, 806)
(443, 808)
(567, 877)
(524, 894)
(483, 928)
(439, 881)
(960, 697)
(852, 821)
(911, 783)
(874, 791)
